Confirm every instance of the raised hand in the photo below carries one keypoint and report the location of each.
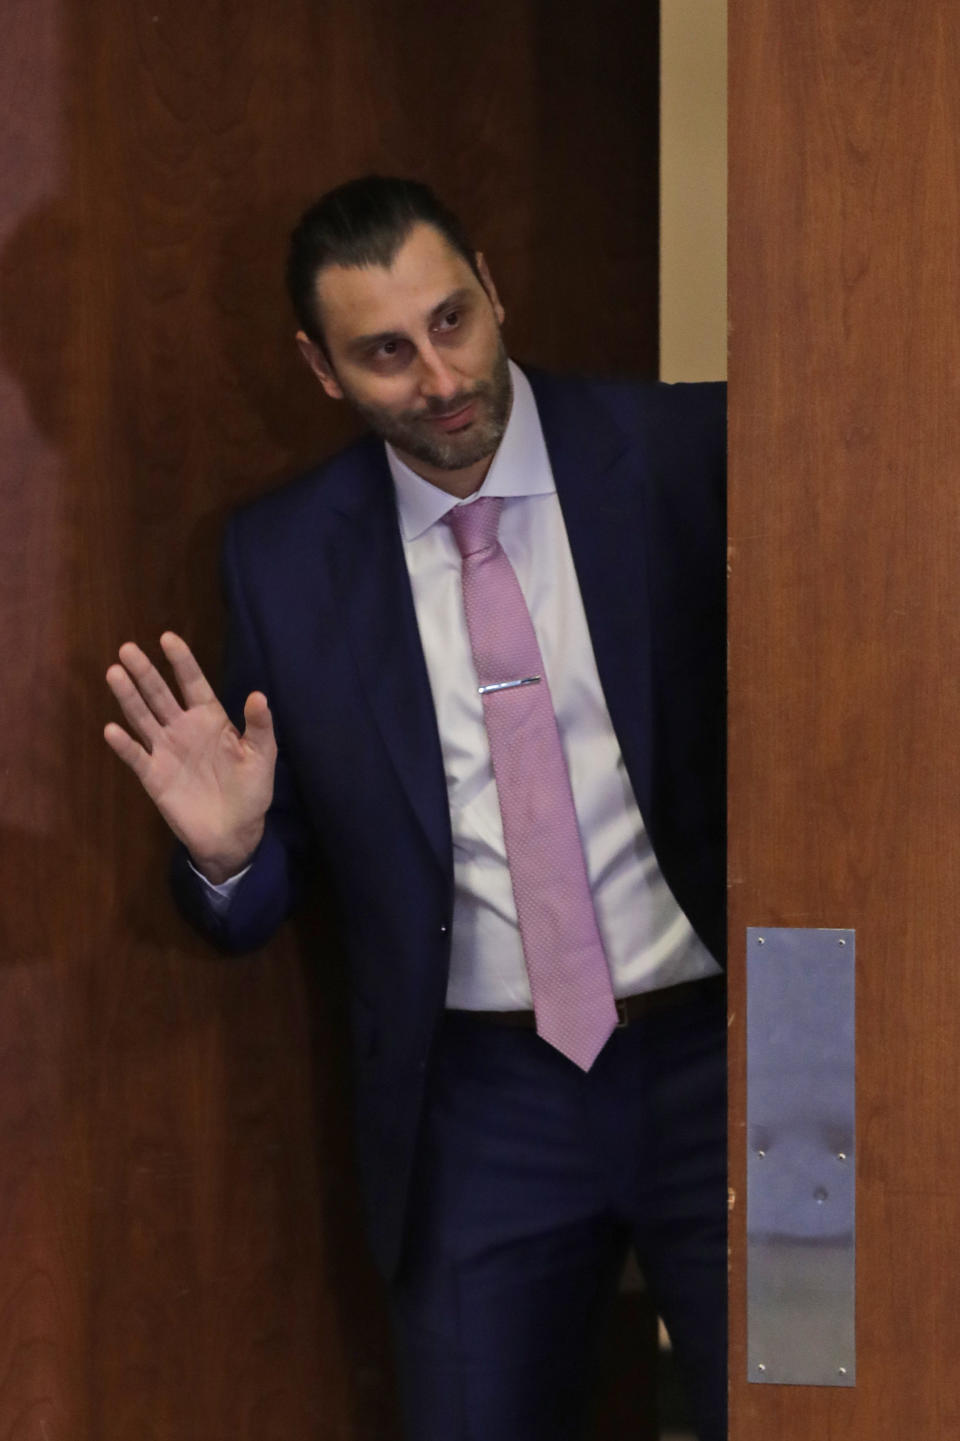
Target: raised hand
(211, 784)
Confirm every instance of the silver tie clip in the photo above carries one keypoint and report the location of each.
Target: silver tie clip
(508, 684)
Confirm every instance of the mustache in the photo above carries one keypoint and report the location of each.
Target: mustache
(437, 409)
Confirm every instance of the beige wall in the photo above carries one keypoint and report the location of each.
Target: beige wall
(693, 189)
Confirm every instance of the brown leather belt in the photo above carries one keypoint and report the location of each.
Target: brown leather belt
(630, 1008)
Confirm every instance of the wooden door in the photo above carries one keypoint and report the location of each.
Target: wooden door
(180, 1252)
(845, 637)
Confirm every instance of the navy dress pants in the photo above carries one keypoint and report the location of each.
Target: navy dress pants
(532, 1181)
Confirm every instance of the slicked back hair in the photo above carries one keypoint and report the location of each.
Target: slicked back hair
(362, 223)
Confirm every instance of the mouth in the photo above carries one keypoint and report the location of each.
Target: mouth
(458, 420)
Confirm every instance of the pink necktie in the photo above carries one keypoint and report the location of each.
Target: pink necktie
(569, 977)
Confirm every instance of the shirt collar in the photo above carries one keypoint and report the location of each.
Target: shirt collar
(520, 466)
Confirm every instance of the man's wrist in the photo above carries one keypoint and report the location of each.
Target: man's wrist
(224, 867)
(217, 873)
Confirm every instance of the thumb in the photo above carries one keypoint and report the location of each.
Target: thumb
(257, 721)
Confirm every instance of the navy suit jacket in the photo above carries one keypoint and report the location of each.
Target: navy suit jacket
(322, 620)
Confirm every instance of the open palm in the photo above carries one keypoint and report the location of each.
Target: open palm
(211, 784)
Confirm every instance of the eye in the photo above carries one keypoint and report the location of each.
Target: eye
(389, 352)
(450, 321)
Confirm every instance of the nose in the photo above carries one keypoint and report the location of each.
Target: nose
(437, 380)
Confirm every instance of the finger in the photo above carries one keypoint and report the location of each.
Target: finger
(258, 722)
(150, 682)
(194, 686)
(135, 709)
(126, 748)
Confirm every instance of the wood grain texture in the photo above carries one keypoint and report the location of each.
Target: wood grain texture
(845, 634)
(182, 1257)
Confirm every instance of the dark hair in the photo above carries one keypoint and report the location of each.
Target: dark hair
(363, 222)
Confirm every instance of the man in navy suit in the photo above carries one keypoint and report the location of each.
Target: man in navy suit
(504, 1181)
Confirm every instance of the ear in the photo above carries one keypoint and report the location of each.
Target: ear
(319, 364)
(488, 285)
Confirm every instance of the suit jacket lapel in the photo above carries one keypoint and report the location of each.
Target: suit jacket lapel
(600, 485)
(367, 566)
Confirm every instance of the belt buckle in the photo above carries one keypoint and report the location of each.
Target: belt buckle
(623, 1020)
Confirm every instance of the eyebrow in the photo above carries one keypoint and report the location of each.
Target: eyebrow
(368, 342)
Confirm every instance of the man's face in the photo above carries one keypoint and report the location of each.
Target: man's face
(416, 349)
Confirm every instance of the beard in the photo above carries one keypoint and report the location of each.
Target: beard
(411, 432)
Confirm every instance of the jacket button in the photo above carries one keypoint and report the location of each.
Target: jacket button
(443, 930)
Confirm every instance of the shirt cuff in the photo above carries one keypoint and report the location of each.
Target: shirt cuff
(218, 895)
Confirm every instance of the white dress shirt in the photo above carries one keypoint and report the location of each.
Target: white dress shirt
(648, 940)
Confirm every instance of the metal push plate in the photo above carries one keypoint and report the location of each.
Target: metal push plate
(800, 1156)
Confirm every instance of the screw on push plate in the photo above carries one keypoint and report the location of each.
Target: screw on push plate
(761, 941)
(761, 1367)
(762, 1155)
(841, 1370)
(841, 1155)
(841, 942)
